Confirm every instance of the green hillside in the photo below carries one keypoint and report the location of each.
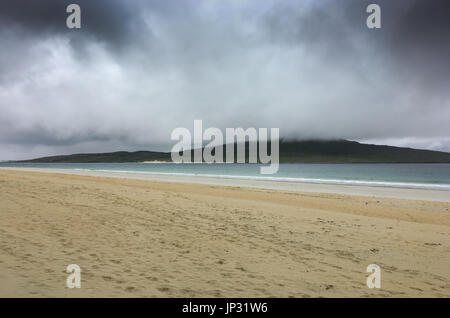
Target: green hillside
(312, 151)
(344, 151)
(119, 156)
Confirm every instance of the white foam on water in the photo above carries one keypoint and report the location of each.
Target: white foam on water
(409, 185)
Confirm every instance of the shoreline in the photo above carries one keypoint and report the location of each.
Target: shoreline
(313, 187)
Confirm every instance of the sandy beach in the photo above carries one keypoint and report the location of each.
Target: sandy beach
(152, 236)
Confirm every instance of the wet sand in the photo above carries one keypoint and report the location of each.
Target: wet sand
(143, 236)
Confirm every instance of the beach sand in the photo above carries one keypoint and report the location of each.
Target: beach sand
(154, 238)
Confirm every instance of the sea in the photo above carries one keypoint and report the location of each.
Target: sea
(421, 176)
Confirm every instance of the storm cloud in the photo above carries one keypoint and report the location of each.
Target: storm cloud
(138, 69)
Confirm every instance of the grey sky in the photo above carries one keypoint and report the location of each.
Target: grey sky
(138, 69)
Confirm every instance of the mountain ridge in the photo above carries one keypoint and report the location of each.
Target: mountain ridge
(291, 151)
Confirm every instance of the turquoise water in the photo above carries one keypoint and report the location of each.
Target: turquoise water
(433, 176)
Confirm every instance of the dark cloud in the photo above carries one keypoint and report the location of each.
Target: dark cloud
(414, 37)
(138, 69)
(415, 40)
(105, 19)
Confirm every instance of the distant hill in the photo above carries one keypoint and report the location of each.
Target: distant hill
(344, 151)
(119, 156)
(309, 151)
